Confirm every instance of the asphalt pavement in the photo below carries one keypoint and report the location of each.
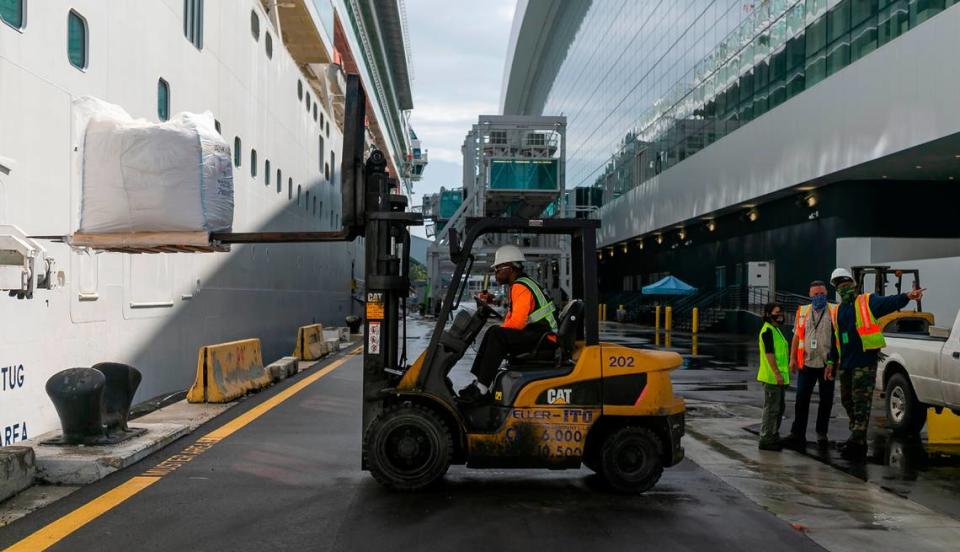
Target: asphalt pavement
(291, 479)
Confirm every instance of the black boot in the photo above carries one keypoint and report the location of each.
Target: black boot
(853, 451)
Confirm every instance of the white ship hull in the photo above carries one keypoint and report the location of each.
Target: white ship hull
(155, 311)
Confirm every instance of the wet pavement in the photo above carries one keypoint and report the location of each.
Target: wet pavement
(724, 372)
(291, 479)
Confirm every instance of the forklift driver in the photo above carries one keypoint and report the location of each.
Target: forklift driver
(530, 316)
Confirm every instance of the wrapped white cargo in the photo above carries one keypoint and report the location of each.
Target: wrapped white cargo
(140, 176)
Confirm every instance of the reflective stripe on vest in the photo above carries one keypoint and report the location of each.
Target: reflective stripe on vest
(867, 327)
(545, 307)
(801, 327)
(781, 351)
(801, 324)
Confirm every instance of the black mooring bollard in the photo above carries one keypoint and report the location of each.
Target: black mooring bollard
(77, 394)
(94, 403)
(121, 385)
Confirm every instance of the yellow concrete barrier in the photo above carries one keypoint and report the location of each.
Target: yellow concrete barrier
(943, 428)
(310, 343)
(227, 371)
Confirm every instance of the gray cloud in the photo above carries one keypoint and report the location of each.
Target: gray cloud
(458, 58)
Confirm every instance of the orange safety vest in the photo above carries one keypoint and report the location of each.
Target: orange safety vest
(871, 335)
(801, 329)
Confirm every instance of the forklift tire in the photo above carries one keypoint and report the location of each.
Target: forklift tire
(631, 460)
(408, 447)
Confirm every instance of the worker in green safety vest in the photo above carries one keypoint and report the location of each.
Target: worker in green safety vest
(530, 316)
(861, 339)
(774, 375)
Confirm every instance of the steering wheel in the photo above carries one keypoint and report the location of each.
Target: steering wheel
(484, 309)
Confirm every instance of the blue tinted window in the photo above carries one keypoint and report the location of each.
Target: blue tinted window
(193, 22)
(77, 40)
(11, 11)
(163, 100)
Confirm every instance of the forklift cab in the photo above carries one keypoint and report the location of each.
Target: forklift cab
(577, 323)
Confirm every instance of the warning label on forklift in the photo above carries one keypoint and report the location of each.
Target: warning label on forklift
(374, 306)
(373, 339)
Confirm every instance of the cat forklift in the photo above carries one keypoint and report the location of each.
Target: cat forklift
(609, 407)
(916, 321)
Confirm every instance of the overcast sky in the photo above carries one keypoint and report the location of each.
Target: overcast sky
(458, 49)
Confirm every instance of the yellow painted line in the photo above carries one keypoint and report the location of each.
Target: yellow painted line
(57, 530)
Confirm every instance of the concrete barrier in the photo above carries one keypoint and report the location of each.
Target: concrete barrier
(228, 371)
(310, 343)
(17, 470)
(943, 428)
(283, 368)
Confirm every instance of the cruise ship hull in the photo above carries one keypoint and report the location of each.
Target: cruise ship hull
(154, 311)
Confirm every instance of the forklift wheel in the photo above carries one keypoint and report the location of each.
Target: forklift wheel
(408, 447)
(631, 460)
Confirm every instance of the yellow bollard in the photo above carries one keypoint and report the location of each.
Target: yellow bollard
(695, 348)
(656, 325)
(668, 325)
(695, 326)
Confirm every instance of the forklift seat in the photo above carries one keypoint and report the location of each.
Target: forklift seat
(543, 354)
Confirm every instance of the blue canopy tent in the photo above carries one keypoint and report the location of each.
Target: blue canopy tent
(669, 286)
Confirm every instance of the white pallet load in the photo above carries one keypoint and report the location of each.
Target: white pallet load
(151, 187)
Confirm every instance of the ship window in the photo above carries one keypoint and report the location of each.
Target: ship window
(255, 25)
(253, 163)
(320, 149)
(290, 189)
(289, 185)
(333, 167)
(193, 22)
(279, 178)
(319, 213)
(237, 153)
(328, 128)
(314, 205)
(314, 111)
(163, 100)
(216, 125)
(11, 11)
(321, 119)
(306, 201)
(268, 42)
(299, 89)
(326, 171)
(298, 194)
(308, 102)
(266, 172)
(77, 40)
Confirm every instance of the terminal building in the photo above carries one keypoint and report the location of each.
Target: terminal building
(731, 133)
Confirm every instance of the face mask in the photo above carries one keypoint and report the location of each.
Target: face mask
(779, 319)
(848, 295)
(819, 301)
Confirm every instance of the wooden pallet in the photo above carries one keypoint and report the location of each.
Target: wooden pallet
(148, 242)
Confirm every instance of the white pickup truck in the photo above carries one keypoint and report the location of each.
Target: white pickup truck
(919, 371)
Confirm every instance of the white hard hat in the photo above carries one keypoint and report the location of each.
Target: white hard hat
(508, 254)
(839, 274)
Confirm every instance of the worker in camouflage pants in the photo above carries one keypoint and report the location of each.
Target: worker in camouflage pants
(861, 339)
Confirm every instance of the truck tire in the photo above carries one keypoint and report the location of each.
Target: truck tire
(408, 447)
(631, 460)
(904, 413)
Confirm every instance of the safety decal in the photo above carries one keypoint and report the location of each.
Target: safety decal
(373, 339)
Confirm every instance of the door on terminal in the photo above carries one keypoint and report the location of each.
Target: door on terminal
(721, 276)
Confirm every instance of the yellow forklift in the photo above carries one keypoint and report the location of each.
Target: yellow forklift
(606, 406)
(609, 407)
(915, 321)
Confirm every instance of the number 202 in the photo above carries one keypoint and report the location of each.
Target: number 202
(621, 362)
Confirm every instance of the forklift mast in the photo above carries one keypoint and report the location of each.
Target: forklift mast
(371, 211)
